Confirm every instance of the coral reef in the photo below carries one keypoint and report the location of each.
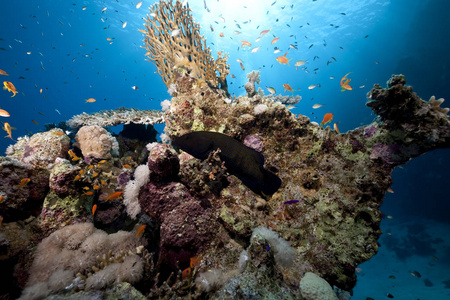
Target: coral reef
(174, 44)
(117, 116)
(188, 227)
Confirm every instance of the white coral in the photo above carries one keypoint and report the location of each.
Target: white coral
(131, 192)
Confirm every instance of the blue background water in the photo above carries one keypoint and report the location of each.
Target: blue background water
(403, 36)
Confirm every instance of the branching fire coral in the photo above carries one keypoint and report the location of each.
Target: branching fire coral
(173, 42)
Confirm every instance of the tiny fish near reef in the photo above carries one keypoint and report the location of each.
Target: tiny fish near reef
(245, 163)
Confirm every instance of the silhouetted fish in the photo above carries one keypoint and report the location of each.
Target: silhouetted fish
(245, 163)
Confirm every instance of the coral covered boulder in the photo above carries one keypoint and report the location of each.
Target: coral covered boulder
(95, 142)
(41, 149)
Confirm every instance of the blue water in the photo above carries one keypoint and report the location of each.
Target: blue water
(378, 38)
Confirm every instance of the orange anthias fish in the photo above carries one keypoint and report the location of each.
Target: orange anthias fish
(245, 43)
(345, 83)
(73, 156)
(326, 119)
(114, 195)
(3, 73)
(264, 32)
(94, 208)
(90, 100)
(4, 113)
(287, 87)
(336, 128)
(7, 128)
(283, 59)
(275, 40)
(188, 271)
(10, 87)
(23, 182)
(140, 230)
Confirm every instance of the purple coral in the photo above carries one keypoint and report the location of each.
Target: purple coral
(370, 130)
(123, 178)
(390, 154)
(253, 141)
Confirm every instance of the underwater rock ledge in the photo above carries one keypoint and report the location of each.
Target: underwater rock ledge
(339, 180)
(324, 218)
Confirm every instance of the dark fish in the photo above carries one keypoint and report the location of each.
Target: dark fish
(291, 201)
(245, 163)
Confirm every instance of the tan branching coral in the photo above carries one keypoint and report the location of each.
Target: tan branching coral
(173, 42)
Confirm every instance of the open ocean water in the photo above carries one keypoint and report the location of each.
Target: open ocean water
(60, 53)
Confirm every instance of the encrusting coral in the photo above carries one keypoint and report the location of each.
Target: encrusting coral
(174, 44)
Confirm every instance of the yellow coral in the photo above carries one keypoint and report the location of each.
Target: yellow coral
(173, 41)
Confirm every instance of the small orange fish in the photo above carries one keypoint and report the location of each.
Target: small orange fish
(23, 182)
(140, 230)
(73, 156)
(90, 100)
(275, 40)
(58, 133)
(78, 177)
(86, 188)
(7, 128)
(242, 66)
(114, 195)
(390, 190)
(95, 174)
(245, 43)
(4, 113)
(186, 273)
(3, 73)
(194, 261)
(35, 122)
(345, 83)
(82, 172)
(102, 181)
(90, 193)
(221, 34)
(96, 187)
(264, 32)
(102, 161)
(127, 166)
(287, 87)
(2, 199)
(94, 208)
(326, 119)
(336, 128)
(283, 59)
(90, 167)
(7, 85)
